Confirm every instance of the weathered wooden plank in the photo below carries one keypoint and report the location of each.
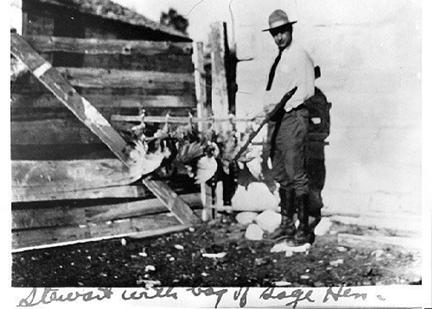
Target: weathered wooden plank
(102, 78)
(22, 239)
(401, 225)
(29, 85)
(107, 46)
(171, 200)
(61, 176)
(135, 235)
(40, 114)
(37, 194)
(84, 111)
(219, 101)
(74, 214)
(51, 131)
(378, 242)
(177, 119)
(100, 101)
(61, 152)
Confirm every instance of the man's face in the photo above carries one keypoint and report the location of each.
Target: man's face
(281, 36)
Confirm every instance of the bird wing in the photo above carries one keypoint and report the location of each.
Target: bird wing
(188, 152)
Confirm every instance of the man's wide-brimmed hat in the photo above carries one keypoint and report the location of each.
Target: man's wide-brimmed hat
(278, 19)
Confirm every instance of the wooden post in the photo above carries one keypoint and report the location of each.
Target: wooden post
(202, 111)
(220, 104)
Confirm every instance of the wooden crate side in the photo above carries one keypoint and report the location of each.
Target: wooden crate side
(22, 239)
(36, 216)
(102, 101)
(95, 46)
(39, 194)
(71, 175)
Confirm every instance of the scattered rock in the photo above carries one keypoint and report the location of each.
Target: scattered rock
(179, 247)
(260, 261)
(123, 242)
(214, 255)
(341, 249)
(285, 247)
(171, 258)
(142, 253)
(254, 232)
(148, 283)
(323, 227)
(191, 229)
(204, 274)
(336, 263)
(268, 220)
(304, 277)
(282, 283)
(149, 268)
(378, 254)
(245, 217)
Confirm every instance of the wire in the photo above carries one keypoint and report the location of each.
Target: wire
(195, 5)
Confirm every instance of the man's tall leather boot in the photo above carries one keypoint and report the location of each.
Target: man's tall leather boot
(287, 228)
(303, 234)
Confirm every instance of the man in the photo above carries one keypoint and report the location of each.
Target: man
(287, 136)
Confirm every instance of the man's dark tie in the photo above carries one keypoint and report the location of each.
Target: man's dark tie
(273, 69)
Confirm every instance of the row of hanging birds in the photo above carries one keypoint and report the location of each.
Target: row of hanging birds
(182, 149)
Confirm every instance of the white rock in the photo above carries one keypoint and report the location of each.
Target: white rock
(123, 242)
(246, 217)
(214, 255)
(256, 198)
(149, 268)
(304, 277)
(289, 250)
(254, 232)
(336, 263)
(179, 247)
(282, 283)
(341, 249)
(323, 227)
(268, 220)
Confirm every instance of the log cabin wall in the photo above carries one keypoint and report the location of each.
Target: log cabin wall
(119, 67)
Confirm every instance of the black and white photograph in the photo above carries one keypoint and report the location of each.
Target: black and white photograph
(241, 149)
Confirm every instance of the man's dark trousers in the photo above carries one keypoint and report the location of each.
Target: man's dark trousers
(288, 150)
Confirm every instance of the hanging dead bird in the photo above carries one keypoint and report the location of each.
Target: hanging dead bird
(147, 158)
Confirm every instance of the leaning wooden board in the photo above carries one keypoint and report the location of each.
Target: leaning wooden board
(90, 116)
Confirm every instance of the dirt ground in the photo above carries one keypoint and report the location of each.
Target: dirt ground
(178, 260)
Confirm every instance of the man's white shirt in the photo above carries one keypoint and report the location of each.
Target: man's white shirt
(295, 69)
